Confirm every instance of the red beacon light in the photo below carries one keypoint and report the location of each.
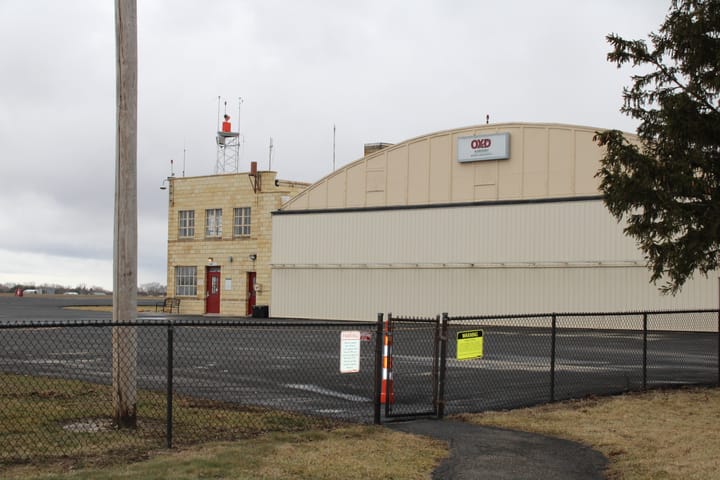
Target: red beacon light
(226, 127)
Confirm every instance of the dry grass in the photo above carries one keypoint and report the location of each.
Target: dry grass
(38, 414)
(350, 453)
(35, 442)
(663, 434)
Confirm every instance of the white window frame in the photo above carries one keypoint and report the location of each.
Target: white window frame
(186, 223)
(213, 223)
(185, 281)
(242, 221)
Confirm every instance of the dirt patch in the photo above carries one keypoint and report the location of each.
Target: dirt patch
(90, 425)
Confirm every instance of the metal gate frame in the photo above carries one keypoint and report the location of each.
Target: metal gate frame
(384, 363)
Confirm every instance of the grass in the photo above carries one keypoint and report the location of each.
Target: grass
(54, 418)
(240, 442)
(352, 453)
(661, 434)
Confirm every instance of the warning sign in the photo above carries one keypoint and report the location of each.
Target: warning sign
(469, 344)
(350, 351)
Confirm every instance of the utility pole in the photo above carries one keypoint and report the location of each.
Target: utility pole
(124, 338)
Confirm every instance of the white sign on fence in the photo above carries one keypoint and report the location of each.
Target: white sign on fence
(350, 351)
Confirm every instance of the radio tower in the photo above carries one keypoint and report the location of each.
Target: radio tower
(228, 143)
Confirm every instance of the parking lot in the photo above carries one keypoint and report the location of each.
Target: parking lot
(294, 365)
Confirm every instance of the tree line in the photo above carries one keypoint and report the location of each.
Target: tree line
(146, 289)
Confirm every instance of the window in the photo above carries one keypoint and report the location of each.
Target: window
(186, 223)
(213, 222)
(185, 281)
(241, 223)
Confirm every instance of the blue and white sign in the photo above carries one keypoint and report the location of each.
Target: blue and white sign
(478, 148)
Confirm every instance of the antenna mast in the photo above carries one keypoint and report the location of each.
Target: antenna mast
(270, 154)
(228, 143)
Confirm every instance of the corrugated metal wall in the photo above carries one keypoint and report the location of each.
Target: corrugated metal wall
(485, 259)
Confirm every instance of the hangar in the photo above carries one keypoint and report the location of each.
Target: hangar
(488, 219)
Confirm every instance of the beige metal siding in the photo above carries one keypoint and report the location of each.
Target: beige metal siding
(513, 258)
(578, 231)
(499, 257)
(359, 294)
(546, 161)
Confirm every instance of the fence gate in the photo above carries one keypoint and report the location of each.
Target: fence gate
(413, 370)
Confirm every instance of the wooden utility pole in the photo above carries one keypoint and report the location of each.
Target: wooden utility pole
(124, 338)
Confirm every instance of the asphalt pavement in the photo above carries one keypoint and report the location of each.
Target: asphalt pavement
(488, 453)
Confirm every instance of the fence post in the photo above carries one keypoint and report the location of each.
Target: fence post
(379, 342)
(645, 324)
(443, 365)
(435, 364)
(552, 357)
(387, 393)
(169, 401)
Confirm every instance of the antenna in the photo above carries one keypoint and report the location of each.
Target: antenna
(270, 155)
(333, 147)
(184, 153)
(240, 102)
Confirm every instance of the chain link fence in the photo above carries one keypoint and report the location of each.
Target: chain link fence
(193, 381)
(531, 359)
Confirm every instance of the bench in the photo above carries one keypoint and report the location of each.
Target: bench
(168, 305)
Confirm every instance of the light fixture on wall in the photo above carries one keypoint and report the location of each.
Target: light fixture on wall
(210, 259)
(165, 185)
(252, 257)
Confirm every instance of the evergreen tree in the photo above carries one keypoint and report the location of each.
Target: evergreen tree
(667, 189)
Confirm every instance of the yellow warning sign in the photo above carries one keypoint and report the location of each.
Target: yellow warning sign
(469, 344)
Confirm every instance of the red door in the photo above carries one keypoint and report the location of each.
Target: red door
(251, 292)
(212, 291)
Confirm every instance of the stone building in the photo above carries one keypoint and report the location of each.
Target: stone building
(219, 240)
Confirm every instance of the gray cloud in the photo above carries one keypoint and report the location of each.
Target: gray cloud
(378, 70)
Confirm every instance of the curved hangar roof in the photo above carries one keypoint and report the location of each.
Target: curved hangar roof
(497, 162)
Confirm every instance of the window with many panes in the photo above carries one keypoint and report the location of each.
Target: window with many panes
(185, 281)
(241, 223)
(186, 223)
(213, 222)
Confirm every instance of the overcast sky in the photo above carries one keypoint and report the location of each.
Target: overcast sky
(381, 71)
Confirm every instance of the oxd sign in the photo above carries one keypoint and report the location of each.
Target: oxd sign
(478, 148)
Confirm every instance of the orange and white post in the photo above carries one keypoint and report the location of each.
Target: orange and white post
(387, 395)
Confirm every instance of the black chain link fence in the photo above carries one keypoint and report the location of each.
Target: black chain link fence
(414, 368)
(222, 380)
(195, 381)
(531, 359)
